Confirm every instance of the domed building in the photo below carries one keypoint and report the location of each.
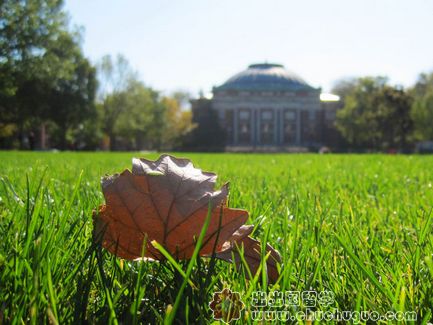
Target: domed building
(267, 108)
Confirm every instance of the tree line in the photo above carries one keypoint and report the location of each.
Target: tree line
(51, 95)
(376, 115)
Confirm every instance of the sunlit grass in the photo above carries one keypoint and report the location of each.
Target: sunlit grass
(359, 226)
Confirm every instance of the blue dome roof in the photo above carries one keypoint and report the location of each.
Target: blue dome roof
(265, 76)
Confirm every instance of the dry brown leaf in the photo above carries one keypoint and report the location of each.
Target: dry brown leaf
(167, 200)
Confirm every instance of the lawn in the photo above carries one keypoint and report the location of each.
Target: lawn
(358, 226)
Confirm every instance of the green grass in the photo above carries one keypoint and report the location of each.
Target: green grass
(359, 226)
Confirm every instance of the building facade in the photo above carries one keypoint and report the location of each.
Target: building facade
(266, 107)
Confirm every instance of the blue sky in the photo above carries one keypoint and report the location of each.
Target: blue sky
(194, 45)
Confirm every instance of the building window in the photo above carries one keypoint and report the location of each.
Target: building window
(289, 126)
(228, 125)
(244, 115)
(267, 127)
(290, 115)
(312, 116)
(244, 129)
(267, 115)
(308, 127)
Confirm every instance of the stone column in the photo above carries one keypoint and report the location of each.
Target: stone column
(258, 126)
(252, 126)
(276, 128)
(298, 126)
(281, 123)
(254, 130)
(235, 125)
(282, 117)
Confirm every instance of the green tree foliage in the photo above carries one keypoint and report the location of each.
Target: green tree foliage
(344, 87)
(422, 109)
(136, 117)
(72, 99)
(375, 115)
(178, 122)
(170, 123)
(126, 105)
(133, 123)
(44, 78)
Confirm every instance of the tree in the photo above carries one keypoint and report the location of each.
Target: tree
(422, 114)
(423, 86)
(394, 105)
(177, 122)
(137, 117)
(422, 108)
(115, 77)
(146, 120)
(135, 121)
(43, 74)
(171, 122)
(71, 101)
(375, 115)
(344, 87)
